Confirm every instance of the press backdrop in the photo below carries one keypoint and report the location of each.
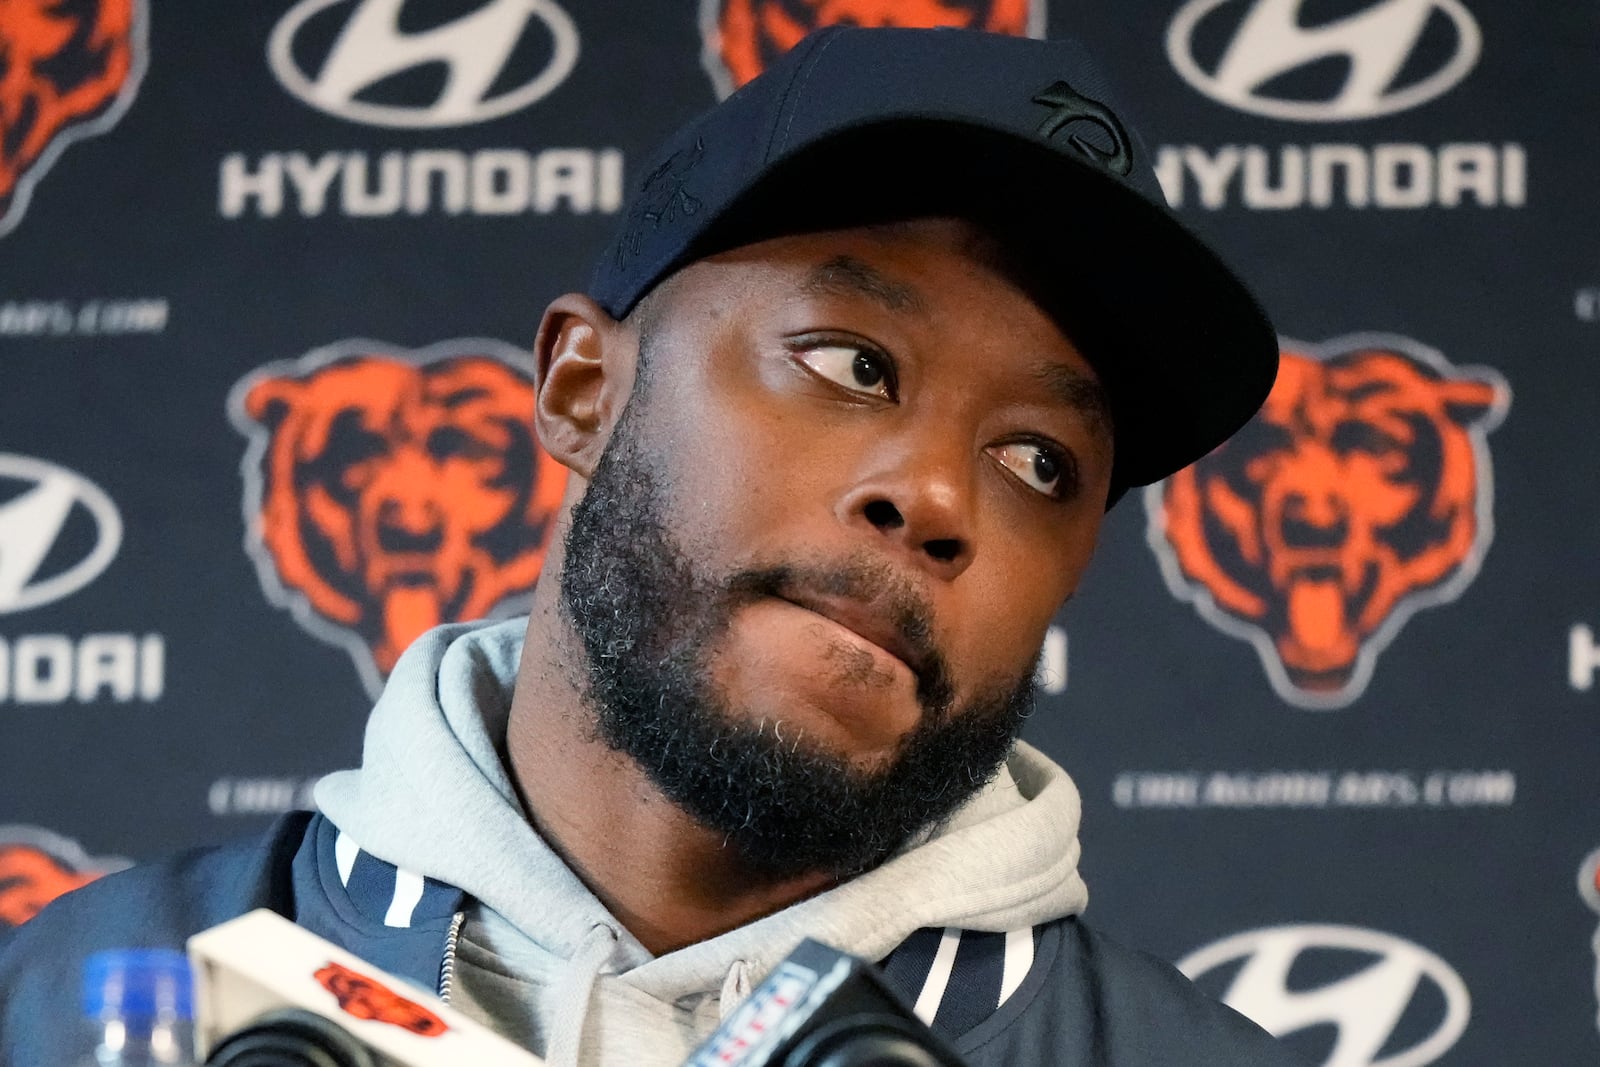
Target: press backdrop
(1329, 695)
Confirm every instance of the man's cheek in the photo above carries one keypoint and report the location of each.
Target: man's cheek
(741, 487)
(1002, 624)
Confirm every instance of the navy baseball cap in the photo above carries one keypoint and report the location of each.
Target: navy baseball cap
(856, 126)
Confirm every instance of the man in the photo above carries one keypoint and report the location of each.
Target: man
(881, 338)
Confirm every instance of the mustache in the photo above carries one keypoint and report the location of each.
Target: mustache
(896, 599)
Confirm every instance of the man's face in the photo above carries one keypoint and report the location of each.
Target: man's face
(814, 567)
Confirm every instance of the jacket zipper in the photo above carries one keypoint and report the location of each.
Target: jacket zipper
(447, 966)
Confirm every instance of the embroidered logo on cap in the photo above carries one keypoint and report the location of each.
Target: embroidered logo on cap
(1071, 108)
(662, 198)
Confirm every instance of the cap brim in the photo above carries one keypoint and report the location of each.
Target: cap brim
(1184, 351)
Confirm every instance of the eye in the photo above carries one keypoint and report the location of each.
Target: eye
(854, 367)
(448, 441)
(1359, 436)
(1041, 468)
(1394, 462)
(357, 476)
(1263, 469)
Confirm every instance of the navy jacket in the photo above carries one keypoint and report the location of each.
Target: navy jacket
(1084, 1002)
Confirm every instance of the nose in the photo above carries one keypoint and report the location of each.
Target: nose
(922, 507)
(1313, 527)
(402, 529)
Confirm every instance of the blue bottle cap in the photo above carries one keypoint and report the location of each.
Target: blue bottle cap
(141, 983)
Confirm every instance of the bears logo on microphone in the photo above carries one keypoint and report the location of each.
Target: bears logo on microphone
(1360, 493)
(68, 69)
(742, 37)
(37, 866)
(389, 491)
(367, 998)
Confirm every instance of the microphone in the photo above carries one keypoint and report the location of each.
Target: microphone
(824, 1008)
(269, 993)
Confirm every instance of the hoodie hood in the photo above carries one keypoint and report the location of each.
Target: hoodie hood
(433, 797)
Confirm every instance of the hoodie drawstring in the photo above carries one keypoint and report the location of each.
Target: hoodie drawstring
(572, 995)
(735, 988)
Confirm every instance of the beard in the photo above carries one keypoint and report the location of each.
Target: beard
(650, 621)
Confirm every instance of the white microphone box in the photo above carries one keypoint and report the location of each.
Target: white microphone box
(262, 962)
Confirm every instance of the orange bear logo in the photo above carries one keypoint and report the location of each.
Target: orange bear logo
(367, 998)
(742, 37)
(1589, 890)
(388, 492)
(1360, 493)
(37, 866)
(68, 68)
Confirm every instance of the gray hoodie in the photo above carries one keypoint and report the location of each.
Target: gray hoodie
(544, 962)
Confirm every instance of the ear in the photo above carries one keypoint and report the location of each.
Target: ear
(271, 398)
(1468, 401)
(586, 362)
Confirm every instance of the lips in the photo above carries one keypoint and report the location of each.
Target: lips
(870, 624)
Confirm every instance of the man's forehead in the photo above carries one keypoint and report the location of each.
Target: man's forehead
(853, 261)
(851, 276)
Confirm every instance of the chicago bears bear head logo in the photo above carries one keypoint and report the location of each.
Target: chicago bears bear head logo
(37, 866)
(743, 37)
(1589, 890)
(390, 491)
(1361, 492)
(68, 69)
(367, 998)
